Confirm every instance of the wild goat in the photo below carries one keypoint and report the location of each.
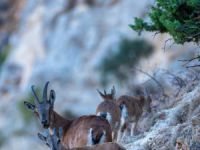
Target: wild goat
(110, 110)
(53, 142)
(85, 130)
(131, 110)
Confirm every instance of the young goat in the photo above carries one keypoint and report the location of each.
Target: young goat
(85, 130)
(53, 142)
(110, 110)
(131, 110)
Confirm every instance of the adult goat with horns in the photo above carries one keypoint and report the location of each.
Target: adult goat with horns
(82, 131)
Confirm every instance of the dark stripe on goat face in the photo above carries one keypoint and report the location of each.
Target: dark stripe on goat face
(44, 110)
(44, 107)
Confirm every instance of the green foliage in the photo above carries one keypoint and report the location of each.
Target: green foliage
(179, 18)
(4, 54)
(26, 114)
(118, 65)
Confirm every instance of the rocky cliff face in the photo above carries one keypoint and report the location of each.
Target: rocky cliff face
(174, 122)
(64, 42)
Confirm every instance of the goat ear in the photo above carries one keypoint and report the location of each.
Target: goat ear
(52, 97)
(29, 106)
(42, 137)
(101, 94)
(113, 92)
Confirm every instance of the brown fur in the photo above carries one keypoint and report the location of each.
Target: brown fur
(109, 106)
(53, 142)
(75, 132)
(82, 131)
(135, 107)
(112, 108)
(105, 146)
(133, 104)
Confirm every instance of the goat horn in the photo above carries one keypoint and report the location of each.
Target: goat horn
(105, 92)
(35, 95)
(45, 92)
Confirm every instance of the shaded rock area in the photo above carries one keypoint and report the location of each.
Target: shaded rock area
(172, 127)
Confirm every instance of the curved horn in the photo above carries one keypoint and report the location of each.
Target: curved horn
(35, 95)
(45, 92)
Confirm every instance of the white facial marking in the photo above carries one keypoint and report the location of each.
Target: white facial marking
(99, 114)
(109, 117)
(124, 114)
(132, 128)
(89, 140)
(103, 138)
